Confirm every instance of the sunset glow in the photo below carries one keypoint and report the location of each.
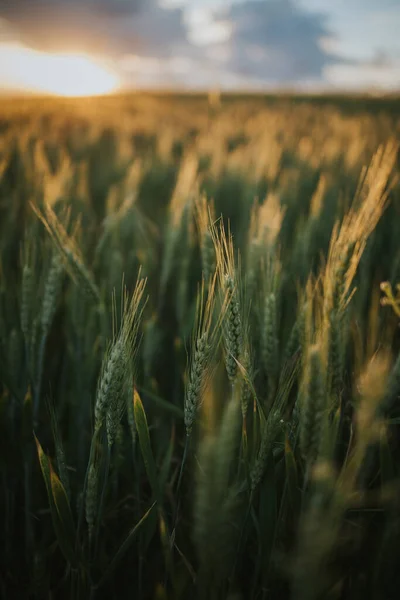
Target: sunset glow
(24, 69)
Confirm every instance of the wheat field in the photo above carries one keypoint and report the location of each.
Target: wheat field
(199, 348)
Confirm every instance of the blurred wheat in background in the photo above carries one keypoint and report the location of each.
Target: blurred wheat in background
(199, 348)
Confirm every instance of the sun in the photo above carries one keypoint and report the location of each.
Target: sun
(68, 74)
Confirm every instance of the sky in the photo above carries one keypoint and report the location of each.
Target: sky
(228, 44)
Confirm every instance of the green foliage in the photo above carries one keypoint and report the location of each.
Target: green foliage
(59, 506)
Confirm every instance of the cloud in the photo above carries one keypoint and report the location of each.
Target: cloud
(106, 7)
(277, 41)
(204, 29)
(200, 42)
(253, 43)
(85, 25)
(153, 32)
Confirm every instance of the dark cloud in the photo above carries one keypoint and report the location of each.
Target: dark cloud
(86, 25)
(153, 32)
(276, 40)
(105, 7)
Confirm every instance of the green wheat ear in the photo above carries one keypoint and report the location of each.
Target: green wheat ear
(51, 292)
(117, 366)
(233, 336)
(92, 497)
(27, 300)
(235, 323)
(271, 342)
(312, 407)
